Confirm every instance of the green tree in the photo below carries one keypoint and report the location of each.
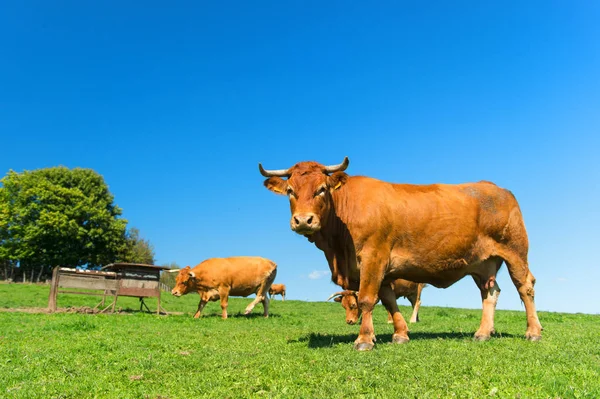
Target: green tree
(168, 279)
(136, 249)
(58, 216)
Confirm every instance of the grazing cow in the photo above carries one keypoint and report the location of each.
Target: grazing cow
(277, 289)
(373, 232)
(402, 288)
(218, 278)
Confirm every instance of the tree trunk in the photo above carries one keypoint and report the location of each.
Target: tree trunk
(40, 274)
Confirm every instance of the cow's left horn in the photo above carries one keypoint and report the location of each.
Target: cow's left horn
(275, 172)
(172, 271)
(334, 295)
(338, 168)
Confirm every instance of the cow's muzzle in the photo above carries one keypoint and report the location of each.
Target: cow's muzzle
(175, 293)
(305, 223)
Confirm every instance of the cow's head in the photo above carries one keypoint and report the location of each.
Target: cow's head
(349, 300)
(185, 282)
(308, 186)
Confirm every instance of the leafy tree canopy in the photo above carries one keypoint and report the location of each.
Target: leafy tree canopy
(136, 249)
(59, 216)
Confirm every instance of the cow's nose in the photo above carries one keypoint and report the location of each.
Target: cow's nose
(306, 219)
(351, 322)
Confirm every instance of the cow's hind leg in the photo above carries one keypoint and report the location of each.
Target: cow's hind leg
(388, 298)
(261, 294)
(265, 304)
(415, 301)
(524, 282)
(485, 279)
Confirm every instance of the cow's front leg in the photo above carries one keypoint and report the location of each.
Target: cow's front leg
(388, 298)
(200, 307)
(224, 294)
(370, 282)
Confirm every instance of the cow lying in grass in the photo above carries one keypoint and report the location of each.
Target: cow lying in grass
(402, 288)
(218, 278)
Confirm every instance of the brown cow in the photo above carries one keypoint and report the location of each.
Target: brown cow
(373, 232)
(218, 278)
(277, 289)
(402, 288)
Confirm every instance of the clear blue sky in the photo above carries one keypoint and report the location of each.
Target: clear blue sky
(176, 105)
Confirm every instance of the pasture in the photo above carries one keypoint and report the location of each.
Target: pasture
(304, 350)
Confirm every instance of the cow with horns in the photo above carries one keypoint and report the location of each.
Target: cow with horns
(402, 288)
(373, 232)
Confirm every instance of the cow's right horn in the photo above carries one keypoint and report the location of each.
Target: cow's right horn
(334, 295)
(338, 168)
(274, 172)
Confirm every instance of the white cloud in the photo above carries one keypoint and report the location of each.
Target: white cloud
(318, 274)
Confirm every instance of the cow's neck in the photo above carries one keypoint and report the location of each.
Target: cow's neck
(335, 240)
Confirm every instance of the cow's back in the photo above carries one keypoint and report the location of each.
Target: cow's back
(242, 275)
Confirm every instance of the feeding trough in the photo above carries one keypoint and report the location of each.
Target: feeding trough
(113, 280)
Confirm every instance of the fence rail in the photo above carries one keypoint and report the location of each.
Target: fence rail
(164, 287)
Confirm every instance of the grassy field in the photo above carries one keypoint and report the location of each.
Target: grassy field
(304, 350)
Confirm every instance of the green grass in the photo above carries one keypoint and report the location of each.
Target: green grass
(304, 350)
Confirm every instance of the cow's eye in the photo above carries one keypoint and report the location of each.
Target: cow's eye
(321, 191)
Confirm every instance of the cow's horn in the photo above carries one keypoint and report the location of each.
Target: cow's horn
(338, 168)
(172, 271)
(271, 173)
(334, 295)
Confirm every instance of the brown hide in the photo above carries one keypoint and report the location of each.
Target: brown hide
(277, 289)
(373, 232)
(219, 278)
(402, 288)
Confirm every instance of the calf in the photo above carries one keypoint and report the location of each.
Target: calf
(277, 289)
(218, 278)
(402, 288)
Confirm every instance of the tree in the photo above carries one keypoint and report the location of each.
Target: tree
(58, 216)
(168, 279)
(136, 249)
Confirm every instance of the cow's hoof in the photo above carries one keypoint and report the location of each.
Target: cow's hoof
(364, 346)
(398, 339)
(247, 312)
(390, 321)
(481, 337)
(532, 337)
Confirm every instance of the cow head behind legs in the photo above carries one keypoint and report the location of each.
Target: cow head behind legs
(349, 301)
(309, 186)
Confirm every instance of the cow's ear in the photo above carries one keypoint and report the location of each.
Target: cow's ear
(338, 299)
(337, 180)
(276, 184)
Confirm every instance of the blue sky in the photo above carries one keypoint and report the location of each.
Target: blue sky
(176, 105)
